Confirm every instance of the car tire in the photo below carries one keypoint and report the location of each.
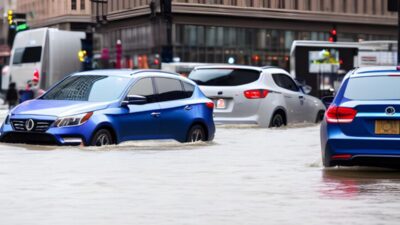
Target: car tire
(326, 162)
(196, 133)
(277, 120)
(320, 116)
(102, 137)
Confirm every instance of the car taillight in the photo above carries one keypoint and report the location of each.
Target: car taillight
(336, 114)
(254, 94)
(210, 105)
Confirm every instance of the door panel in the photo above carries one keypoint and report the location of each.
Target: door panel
(142, 121)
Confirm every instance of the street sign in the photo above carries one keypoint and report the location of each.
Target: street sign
(393, 5)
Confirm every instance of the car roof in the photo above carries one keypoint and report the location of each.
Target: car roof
(375, 71)
(133, 74)
(121, 72)
(260, 69)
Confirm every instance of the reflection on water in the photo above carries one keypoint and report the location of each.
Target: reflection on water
(359, 181)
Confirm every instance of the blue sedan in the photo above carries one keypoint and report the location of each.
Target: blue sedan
(106, 107)
(362, 125)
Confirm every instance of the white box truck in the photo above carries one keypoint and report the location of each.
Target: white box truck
(53, 52)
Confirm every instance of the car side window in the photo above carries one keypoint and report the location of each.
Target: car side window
(169, 89)
(189, 89)
(144, 87)
(284, 81)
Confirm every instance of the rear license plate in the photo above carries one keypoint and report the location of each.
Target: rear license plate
(387, 127)
(220, 104)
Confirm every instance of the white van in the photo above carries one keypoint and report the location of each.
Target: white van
(53, 52)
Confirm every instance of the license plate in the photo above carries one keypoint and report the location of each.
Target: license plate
(220, 104)
(387, 127)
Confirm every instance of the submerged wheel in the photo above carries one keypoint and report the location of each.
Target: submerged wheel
(277, 120)
(102, 137)
(196, 133)
(320, 116)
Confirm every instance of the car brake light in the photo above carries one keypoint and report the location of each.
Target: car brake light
(255, 94)
(342, 156)
(210, 105)
(336, 114)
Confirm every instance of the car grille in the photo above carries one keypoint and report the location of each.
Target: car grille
(39, 125)
(29, 138)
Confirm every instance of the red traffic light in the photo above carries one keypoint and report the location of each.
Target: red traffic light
(333, 32)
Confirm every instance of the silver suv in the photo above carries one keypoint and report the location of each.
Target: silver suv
(267, 96)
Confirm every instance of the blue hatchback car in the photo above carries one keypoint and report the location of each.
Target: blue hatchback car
(362, 125)
(105, 107)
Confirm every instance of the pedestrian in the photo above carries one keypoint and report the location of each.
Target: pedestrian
(12, 95)
(34, 87)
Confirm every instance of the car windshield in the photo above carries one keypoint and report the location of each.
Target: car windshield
(88, 88)
(373, 88)
(224, 77)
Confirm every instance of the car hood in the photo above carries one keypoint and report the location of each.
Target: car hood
(57, 108)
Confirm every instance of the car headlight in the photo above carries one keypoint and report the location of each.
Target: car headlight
(74, 120)
(7, 120)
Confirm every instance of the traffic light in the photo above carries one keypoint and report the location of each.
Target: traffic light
(333, 35)
(10, 17)
(82, 54)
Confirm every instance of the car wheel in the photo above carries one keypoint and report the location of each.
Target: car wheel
(277, 120)
(326, 160)
(320, 116)
(102, 137)
(196, 133)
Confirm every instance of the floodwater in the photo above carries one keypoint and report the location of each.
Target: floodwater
(247, 176)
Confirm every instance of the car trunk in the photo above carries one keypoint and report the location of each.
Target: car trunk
(373, 119)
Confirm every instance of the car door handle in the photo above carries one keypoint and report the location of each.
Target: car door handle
(188, 108)
(155, 114)
(301, 97)
(288, 96)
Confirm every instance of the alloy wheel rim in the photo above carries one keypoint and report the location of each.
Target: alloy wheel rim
(197, 135)
(278, 121)
(102, 139)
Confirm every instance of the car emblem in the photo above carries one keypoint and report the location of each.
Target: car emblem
(29, 124)
(390, 111)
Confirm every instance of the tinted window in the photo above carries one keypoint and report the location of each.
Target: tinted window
(144, 87)
(88, 88)
(373, 88)
(284, 81)
(189, 89)
(169, 89)
(27, 55)
(224, 77)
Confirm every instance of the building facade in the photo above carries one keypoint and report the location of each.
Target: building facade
(252, 32)
(62, 14)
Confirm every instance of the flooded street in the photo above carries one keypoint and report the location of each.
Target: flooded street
(246, 176)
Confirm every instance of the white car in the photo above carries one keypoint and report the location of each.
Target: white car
(267, 96)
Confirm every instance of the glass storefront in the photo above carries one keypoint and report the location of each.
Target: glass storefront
(215, 44)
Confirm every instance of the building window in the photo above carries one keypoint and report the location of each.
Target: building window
(266, 3)
(73, 4)
(83, 4)
(344, 6)
(321, 5)
(332, 5)
(355, 6)
(249, 3)
(281, 4)
(307, 4)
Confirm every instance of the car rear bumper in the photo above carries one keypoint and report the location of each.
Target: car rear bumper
(351, 151)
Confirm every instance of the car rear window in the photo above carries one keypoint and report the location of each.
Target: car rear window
(224, 77)
(373, 88)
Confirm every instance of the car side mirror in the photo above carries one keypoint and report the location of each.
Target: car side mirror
(327, 100)
(134, 100)
(306, 89)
